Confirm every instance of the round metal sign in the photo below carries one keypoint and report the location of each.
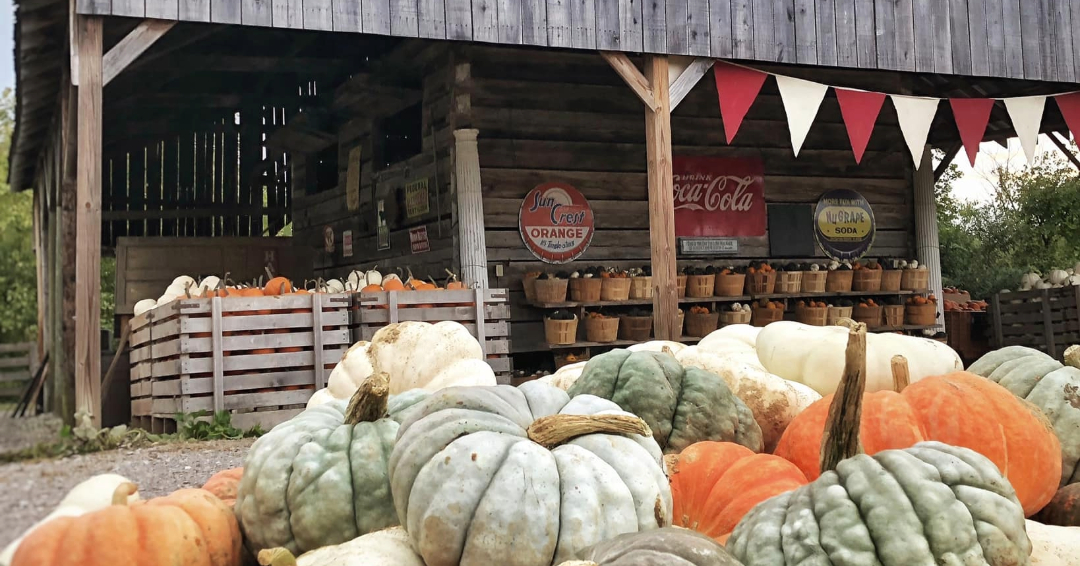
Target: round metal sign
(844, 225)
(556, 222)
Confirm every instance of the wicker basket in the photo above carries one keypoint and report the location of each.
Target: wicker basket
(732, 317)
(836, 313)
(839, 281)
(679, 323)
(894, 315)
(551, 290)
(921, 315)
(680, 285)
(729, 285)
(601, 329)
(560, 332)
(871, 316)
(760, 283)
(641, 288)
(762, 316)
(529, 283)
(814, 316)
(636, 328)
(814, 281)
(866, 280)
(585, 289)
(915, 280)
(700, 325)
(788, 282)
(615, 289)
(890, 280)
(700, 286)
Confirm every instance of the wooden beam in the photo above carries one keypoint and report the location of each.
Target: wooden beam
(947, 160)
(688, 79)
(1063, 146)
(633, 77)
(661, 200)
(134, 44)
(88, 221)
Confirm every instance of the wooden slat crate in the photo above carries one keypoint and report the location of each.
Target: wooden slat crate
(1046, 319)
(260, 358)
(484, 312)
(17, 366)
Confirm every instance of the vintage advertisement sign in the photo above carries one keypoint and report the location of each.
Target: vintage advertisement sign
(844, 224)
(416, 198)
(382, 230)
(708, 246)
(418, 240)
(328, 239)
(346, 243)
(719, 197)
(556, 222)
(352, 180)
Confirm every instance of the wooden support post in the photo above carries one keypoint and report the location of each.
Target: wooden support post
(661, 200)
(1062, 144)
(134, 44)
(470, 209)
(926, 230)
(88, 222)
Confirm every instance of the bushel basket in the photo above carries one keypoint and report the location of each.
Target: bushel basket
(636, 328)
(729, 284)
(700, 286)
(699, 325)
(560, 332)
(585, 289)
(615, 289)
(601, 329)
(550, 290)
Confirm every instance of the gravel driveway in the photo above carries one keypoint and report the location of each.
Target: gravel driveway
(30, 490)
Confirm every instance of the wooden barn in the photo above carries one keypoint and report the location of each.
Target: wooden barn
(323, 136)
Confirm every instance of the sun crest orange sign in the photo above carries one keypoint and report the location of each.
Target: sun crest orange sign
(556, 222)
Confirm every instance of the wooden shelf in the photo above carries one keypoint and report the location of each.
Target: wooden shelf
(906, 327)
(739, 299)
(615, 344)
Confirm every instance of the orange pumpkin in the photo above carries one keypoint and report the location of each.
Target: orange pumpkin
(277, 286)
(224, 485)
(189, 526)
(393, 284)
(960, 409)
(714, 484)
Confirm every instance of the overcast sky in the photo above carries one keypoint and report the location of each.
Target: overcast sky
(7, 45)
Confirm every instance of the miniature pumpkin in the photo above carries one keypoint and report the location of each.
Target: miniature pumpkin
(1063, 509)
(189, 526)
(420, 355)
(681, 405)
(224, 484)
(713, 484)
(928, 504)
(670, 546)
(277, 286)
(388, 547)
(320, 478)
(1054, 388)
(523, 475)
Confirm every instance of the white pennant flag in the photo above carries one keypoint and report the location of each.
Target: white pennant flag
(1026, 114)
(801, 102)
(915, 114)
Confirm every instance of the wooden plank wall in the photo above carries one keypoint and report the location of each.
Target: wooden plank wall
(1020, 39)
(583, 126)
(314, 212)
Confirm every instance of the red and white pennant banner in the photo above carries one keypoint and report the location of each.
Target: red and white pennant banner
(739, 86)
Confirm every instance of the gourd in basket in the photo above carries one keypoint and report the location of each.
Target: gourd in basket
(700, 321)
(601, 328)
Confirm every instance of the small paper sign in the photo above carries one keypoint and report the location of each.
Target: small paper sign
(416, 198)
(418, 240)
(346, 243)
(328, 239)
(382, 230)
(352, 180)
(708, 246)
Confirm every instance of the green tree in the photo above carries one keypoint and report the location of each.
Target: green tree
(18, 288)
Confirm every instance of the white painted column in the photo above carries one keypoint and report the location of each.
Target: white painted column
(470, 204)
(927, 247)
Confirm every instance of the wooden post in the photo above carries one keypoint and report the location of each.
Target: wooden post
(88, 221)
(926, 230)
(470, 209)
(661, 200)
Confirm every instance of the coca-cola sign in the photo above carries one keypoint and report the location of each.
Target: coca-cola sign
(719, 197)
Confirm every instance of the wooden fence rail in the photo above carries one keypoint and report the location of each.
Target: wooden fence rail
(18, 362)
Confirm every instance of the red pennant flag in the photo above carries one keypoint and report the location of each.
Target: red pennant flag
(860, 110)
(736, 87)
(972, 115)
(1069, 104)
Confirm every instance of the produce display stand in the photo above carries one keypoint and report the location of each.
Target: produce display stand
(484, 312)
(259, 358)
(1045, 319)
(968, 333)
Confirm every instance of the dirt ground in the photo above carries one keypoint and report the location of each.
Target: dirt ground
(30, 490)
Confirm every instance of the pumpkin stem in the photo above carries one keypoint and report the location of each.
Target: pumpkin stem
(901, 377)
(123, 492)
(841, 438)
(276, 557)
(846, 323)
(1072, 356)
(554, 430)
(368, 404)
(269, 274)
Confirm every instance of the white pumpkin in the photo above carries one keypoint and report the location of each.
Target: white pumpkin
(388, 547)
(1054, 546)
(814, 355)
(334, 286)
(183, 282)
(657, 346)
(143, 306)
(1057, 276)
(414, 354)
(91, 495)
(1029, 280)
(320, 397)
(743, 332)
(208, 284)
(565, 376)
(373, 277)
(774, 400)
(356, 281)
(350, 372)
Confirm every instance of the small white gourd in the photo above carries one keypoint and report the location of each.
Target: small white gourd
(373, 277)
(335, 286)
(357, 280)
(143, 306)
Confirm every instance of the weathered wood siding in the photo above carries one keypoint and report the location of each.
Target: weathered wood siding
(585, 127)
(1029, 39)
